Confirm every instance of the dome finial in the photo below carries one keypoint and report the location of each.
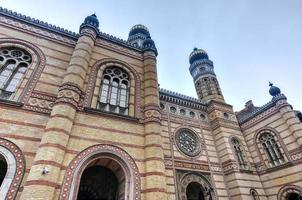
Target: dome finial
(274, 91)
(270, 84)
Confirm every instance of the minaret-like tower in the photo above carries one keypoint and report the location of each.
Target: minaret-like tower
(138, 34)
(202, 71)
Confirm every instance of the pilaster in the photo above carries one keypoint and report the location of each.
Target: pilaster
(52, 147)
(155, 182)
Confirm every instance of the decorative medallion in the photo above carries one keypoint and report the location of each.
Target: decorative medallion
(188, 142)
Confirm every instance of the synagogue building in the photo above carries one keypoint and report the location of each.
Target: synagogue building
(82, 117)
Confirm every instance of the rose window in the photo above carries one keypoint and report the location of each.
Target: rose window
(188, 142)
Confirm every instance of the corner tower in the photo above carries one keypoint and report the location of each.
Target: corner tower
(138, 34)
(202, 71)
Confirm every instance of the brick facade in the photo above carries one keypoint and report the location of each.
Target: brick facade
(52, 122)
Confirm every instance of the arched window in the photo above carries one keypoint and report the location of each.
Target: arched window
(14, 63)
(254, 194)
(271, 149)
(114, 91)
(239, 152)
(216, 85)
(208, 85)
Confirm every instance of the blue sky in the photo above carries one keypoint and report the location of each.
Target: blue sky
(250, 42)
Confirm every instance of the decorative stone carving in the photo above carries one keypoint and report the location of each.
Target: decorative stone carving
(70, 94)
(72, 175)
(188, 142)
(185, 178)
(89, 32)
(18, 161)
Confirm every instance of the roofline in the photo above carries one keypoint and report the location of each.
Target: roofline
(67, 33)
(261, 109)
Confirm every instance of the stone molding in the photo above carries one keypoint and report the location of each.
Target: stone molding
(90, 32)
(38, 59)
(69, 93)
(102, 64)
(77, 165)
(186, 178)
(287, 189)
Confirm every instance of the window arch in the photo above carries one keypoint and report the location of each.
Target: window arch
(114, 91)
(14, 63)
(254, 194)
(216, 85)
(238, 150)
(12, 167)
(208, 85)
(271, 149)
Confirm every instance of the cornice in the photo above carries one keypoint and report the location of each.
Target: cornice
(261, 109)
(62, 31)
(180, 99)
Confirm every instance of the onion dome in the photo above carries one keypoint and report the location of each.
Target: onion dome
(137, 35)
(139, 29)
(198, 54)
(274, 91)
(92, 22)
(149, 45)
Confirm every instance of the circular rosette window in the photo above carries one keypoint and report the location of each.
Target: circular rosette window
(188, 142)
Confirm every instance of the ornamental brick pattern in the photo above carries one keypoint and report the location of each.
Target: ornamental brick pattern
(20, 168)
(52, 122)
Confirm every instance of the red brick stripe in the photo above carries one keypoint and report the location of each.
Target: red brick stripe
(43, 182)
(153, 190)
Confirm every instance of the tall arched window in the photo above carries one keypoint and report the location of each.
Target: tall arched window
(114, 91)
(14, 63)
(208, 85)
(216, 85)
(271, 149)
(239, 152)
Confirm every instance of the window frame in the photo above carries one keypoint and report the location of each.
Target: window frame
(261, 153)
(113, 99)
(18, 63)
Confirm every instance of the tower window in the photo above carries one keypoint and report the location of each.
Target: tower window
(208, 85)
(173, 109)
(239, 152)
(14, 63)
(114, 91)
(271, 149)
